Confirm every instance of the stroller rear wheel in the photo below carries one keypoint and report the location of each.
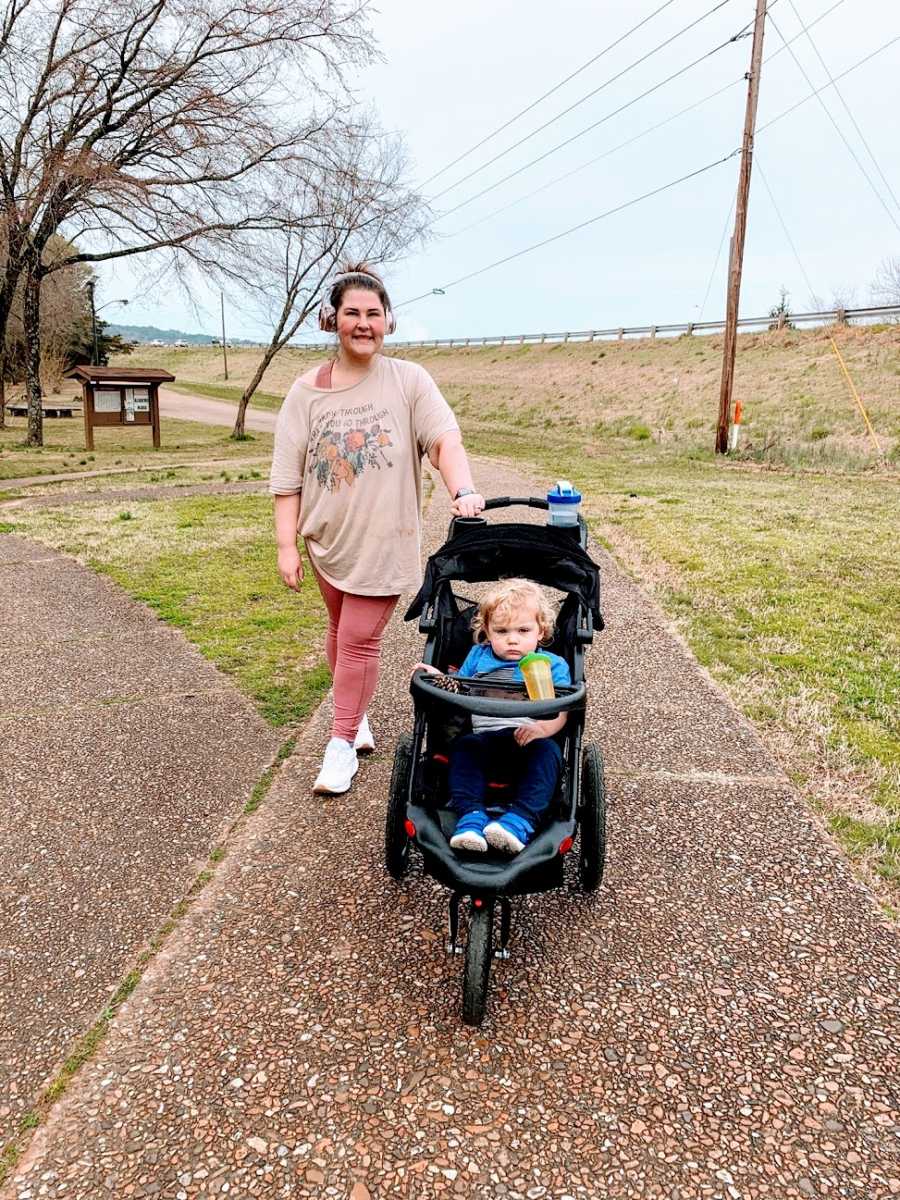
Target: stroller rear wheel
(396, 842)
(592, 834)
(479, 951)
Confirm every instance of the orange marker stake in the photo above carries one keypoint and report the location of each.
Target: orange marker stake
(735, 432)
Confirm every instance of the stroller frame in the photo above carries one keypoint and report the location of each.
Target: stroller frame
(417, 811)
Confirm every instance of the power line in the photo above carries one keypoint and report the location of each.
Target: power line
(630, 141)
(758, 165)
(840, 96)
(591, 162)
(546, 95)
(574, 138)
(837, 127)
(787, 112)
(588, 96)
(718, 256)
(500, 262)
(574, 229)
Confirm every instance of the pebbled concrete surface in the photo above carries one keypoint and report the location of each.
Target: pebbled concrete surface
(719, 1021)
(124, 756)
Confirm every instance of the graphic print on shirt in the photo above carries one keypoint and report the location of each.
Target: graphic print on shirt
(347, 441)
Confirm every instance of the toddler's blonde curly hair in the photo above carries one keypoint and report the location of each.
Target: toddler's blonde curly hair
(505, 598)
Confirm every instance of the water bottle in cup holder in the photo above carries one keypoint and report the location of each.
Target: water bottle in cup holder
(565, 504)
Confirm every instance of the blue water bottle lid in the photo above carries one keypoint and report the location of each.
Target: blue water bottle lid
(563, 493)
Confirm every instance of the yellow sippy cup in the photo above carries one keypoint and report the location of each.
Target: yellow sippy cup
(538, 676)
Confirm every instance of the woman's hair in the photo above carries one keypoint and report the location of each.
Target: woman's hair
(509, 595)
(358, 275)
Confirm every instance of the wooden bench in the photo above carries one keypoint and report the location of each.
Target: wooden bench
(61, 408)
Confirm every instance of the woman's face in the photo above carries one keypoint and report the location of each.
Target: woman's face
(361, 324)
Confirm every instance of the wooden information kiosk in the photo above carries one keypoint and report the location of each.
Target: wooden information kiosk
(120, 396)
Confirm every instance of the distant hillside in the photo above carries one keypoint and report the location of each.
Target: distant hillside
(150, 333)
(796, 403)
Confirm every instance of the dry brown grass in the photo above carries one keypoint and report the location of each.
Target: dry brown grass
(664, 390)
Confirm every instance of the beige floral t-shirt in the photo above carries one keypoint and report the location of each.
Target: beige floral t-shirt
(355, 456)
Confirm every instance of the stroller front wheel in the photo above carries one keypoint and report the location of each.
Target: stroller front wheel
(396, 841)
(479, 951)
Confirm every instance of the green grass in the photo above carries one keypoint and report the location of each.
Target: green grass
(206, 564)
(183, 443)
(783, 581)
(785, 584)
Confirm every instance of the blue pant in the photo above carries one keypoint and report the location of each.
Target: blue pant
(533, 771)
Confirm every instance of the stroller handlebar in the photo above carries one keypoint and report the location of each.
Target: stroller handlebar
(486, 707)
(506, 501)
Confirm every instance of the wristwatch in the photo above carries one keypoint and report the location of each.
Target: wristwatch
(465, 492)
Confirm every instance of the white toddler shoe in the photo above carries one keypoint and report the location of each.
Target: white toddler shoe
(364, 742)
(338, 768)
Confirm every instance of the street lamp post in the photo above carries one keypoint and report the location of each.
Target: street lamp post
(95, 342)
(94, 348)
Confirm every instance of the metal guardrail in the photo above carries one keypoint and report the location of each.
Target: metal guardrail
(839, 316)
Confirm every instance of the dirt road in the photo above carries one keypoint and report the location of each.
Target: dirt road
(212, 412)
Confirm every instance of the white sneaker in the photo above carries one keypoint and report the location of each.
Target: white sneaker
(364, 742)
(338, 768)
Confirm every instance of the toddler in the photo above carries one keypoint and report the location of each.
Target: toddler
(512, 621)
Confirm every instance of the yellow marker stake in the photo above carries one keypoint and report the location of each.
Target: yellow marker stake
(855, 394)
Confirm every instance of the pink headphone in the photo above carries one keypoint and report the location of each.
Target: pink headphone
(327, 314)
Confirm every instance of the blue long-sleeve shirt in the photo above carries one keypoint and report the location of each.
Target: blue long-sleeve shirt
(482, 663)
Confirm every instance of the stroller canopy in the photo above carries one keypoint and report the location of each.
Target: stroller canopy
(544, 553)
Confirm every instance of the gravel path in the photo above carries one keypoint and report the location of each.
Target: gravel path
(125, 756)
(719, 1021)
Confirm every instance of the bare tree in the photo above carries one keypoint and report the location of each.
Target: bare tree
(886, 285)
(355, 206)
(135, 126)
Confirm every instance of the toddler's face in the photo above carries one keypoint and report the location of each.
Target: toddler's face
(513, 633)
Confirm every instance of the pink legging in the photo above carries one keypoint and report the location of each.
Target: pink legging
(353, 649)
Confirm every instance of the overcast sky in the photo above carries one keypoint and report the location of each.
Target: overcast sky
(453, 73)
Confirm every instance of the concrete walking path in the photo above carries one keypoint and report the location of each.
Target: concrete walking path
(125, 757)
(719, 1021)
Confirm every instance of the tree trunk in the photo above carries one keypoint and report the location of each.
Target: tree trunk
(238, 431)
(32, 323)
(8, 283)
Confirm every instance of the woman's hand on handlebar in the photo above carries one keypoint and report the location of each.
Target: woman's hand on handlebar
(290, 567)
(468, 506)
(426, 667)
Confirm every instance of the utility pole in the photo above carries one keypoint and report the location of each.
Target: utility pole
(736, 259)
(224, 349)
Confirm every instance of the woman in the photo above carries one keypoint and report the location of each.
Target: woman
(347, 474)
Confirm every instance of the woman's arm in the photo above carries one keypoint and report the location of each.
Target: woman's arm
(448, 456)
(290, 565)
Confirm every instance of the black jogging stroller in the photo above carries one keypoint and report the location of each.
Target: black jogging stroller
(417, 811)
